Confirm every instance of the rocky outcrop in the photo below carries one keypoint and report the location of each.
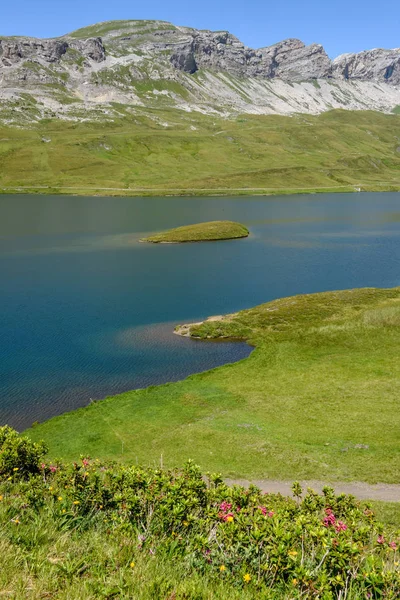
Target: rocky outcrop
(154, 64)
(92, 48)
(50, 51)
(189, 50)
(290, 60)
(372, 65)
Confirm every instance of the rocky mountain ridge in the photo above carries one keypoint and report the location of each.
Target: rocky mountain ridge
(154, 63)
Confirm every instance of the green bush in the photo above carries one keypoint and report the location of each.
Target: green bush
(19, 456)
(259, 545)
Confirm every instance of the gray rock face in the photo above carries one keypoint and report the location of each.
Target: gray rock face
(189, 50)
(290, 60)
(372, 65)
(50, 51)
(104, 64)
(91, 48)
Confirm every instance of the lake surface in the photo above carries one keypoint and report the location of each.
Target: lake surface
(87, 311)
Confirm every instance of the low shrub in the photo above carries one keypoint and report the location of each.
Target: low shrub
(269, 546)
(19, 453)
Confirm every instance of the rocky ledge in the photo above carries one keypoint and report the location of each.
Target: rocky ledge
(191, 50)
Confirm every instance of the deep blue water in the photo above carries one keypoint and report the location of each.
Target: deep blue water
(87, 311)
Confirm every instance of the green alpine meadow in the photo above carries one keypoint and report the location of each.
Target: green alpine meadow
(166, 151)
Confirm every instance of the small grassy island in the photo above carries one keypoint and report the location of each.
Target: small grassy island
(211, 231)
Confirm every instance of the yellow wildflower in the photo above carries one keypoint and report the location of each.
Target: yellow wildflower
(1, 498)
(247, 578)
(294, 581)
(63, 510)
(60, 498)
(185, 523)
(229, 519)
(9, 478)
(15, 469)
(132, 565)
(222, 568)
(76, 502)
(292, 552)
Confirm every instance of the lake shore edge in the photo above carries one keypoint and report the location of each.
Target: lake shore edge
(193, 193)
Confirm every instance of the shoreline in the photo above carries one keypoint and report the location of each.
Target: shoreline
(185, 329)
(235, 393)
(195, 193)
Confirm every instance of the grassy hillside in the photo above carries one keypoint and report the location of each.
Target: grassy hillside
(318, 398)
(170, 151)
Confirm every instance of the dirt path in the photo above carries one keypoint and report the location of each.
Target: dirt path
(363, 491)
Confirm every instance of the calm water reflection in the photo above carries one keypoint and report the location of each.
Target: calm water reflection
(87, 311)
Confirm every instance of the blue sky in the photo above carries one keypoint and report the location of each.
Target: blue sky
(340, 25)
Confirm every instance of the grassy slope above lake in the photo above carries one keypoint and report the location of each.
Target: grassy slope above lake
(170, 151)
(200, 232)
(318, 398)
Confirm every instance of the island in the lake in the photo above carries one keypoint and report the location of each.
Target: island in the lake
(211, 231)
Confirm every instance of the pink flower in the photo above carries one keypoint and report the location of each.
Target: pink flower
(329, 520)
(393, 545)
(340, 526)
(43, 466)
(263, 510)
(227, 517)
(53, 468)
(85, 462)
(271, 513)
(381, 539)
(225, 506)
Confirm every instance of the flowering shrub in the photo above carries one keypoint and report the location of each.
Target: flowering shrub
(19, 453)
(324, 546)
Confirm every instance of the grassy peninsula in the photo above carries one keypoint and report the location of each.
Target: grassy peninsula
(317, 399)
(166, 151)
(201, 232)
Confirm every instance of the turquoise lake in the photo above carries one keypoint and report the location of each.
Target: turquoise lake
(87, 311)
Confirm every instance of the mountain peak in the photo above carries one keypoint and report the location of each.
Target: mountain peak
(155, 63)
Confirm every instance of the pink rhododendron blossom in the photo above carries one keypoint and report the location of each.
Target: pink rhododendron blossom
(329, 520)
(340, 526)
(226, 516)
(381, 539)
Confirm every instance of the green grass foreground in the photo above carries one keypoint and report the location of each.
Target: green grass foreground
(200, 232)
(317, 399)
(92, 530)
(166, 151)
